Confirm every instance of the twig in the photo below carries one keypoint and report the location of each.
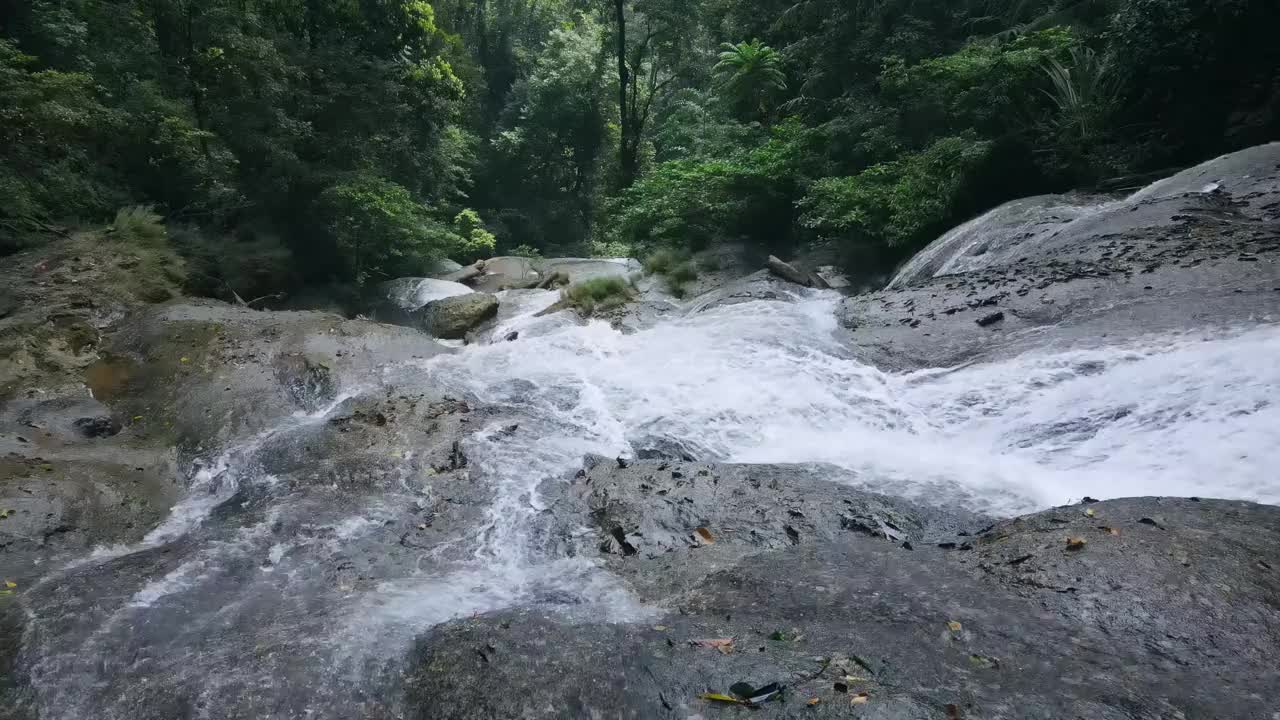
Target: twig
(273, 296)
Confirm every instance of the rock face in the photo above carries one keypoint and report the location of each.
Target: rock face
(223, 443)
(195, 497)
(1167, 610)
(450, 318)
(1199, 248)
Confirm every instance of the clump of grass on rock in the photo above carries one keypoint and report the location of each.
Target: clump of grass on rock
(675, 266)
(597, 294)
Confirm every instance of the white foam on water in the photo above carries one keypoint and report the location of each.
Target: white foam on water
(1195, 414)
(1189, 414)
(210, 485)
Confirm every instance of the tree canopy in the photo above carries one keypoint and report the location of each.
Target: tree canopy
(350, 141)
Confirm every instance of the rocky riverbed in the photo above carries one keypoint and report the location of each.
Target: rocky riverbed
(765, 496)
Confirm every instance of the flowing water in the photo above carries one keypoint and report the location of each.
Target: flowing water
(274, 600)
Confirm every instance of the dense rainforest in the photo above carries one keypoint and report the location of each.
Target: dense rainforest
(285, 143)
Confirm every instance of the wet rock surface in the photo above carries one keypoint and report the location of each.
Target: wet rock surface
(1199, 249)
(450, 318)
(195, 444)
(213, 511)
(660, 521)
(1171, 619)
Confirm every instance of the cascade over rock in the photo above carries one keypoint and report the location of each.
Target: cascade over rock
(213, 511)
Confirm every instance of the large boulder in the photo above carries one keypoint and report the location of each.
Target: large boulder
(248, 442)
(1155, 608)
(1198, 249)
(505, 272)
(450, 318)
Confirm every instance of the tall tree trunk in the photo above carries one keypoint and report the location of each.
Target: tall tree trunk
(627, 149)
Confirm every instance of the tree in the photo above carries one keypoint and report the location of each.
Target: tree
(543, 166)
(646, 66)
(750, 77)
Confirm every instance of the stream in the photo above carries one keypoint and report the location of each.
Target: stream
(246, 604)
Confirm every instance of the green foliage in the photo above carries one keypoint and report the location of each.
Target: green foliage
(675, 266)
(1196, 73)
(662, 260)
(750, 76)
(682, 201)
(601, 293)
(227, 114)
(903, 203)
(377, 135)
(139, 225)
(252, 262)
(691, 203)
(543, 166)
(527, 251)
(990, 87)
(473, 240)
(50, 125)
(379, 230)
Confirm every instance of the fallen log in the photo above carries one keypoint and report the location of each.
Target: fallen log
(787, 272)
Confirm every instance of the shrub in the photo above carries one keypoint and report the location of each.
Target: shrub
(525, 250)
(901, 204)
(600, 293)
(380, 230)
(988, 86)
(674, 265)
(1199, 76)
(474, 240)
(252, 262)
(139, 225)
(679, 276)
(660, 261)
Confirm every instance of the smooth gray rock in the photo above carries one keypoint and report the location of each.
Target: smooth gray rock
(450, 318)
(504, 272)
(444, 266)
(1146, 621)
(648, 513)
(760, 285)
(1199, 249)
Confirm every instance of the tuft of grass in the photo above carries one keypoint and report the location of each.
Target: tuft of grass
(139, 225)
(660, 262)
(601, 293)
(675, 266)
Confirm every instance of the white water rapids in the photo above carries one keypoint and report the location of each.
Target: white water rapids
(252, 608)
(765, 382)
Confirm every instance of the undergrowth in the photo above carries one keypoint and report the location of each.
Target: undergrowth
(601, 293)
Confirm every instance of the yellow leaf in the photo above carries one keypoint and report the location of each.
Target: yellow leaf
(813, 701)
(184, 359)
(1089, 512)
(660, 628)
(859, 698)
(954, 626)
(719, 697)
(10, 584)
(1075, 543)
(137, 417)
